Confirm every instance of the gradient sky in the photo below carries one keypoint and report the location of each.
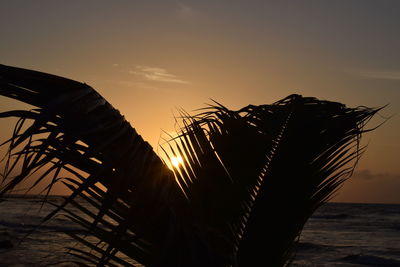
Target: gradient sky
(148, 58)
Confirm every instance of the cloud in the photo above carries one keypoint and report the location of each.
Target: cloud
(155, 74)
(368, 175)
(184, 11)
(382, 75)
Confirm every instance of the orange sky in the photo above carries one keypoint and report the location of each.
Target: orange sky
(148, 58)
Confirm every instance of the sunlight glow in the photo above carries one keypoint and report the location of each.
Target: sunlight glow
(176, 161)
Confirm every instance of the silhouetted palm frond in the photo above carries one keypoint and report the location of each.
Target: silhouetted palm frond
(256, 175)
(73, 128)
(248, 182)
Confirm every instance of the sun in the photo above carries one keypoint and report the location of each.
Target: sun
(176, 161)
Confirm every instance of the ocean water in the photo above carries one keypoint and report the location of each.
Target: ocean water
(338, 234)
(345, 234)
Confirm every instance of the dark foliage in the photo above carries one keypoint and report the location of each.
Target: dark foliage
(249, 181)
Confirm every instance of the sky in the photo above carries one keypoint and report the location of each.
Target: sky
(149, 58)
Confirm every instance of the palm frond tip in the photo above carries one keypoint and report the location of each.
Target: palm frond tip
(248, 177)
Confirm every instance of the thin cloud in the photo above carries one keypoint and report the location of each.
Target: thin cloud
(382, 75)
(156, 74)
(184, 11)
(368, 175)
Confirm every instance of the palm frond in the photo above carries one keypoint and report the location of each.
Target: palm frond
(73, 128)
(262, 171)
(248, 177)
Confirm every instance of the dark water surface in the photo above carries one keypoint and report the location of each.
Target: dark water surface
(345, 234)
(338, 234)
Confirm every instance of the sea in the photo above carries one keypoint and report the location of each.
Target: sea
(338, 234)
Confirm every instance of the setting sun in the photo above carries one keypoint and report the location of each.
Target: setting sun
(176, 161)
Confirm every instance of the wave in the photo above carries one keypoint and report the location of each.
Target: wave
(26, 228)
(395, 227)
(331, 216)
(310, 246)
(306, 246)
(369, 260)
